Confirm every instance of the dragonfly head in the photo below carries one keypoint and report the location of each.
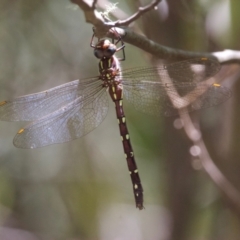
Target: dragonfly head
(104, 49)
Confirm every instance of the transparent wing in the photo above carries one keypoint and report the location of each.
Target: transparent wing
(34, 106)
(165, 89)
(193, 70)
(72, 121)
(157, 99)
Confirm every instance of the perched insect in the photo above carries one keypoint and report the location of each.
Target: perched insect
(73, 109)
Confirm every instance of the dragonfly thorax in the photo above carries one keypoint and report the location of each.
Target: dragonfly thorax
(109, 68)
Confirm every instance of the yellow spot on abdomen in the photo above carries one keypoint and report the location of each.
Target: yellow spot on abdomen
(109, 62)
(21, 131)
(3, 103)
(216, 85)
(101, 64)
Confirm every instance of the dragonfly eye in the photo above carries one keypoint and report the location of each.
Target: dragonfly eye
(98, 53)
(106, 51)
(110, 51)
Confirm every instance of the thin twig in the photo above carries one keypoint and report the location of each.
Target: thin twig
(139, 13)
(231, 193)
(195, 135)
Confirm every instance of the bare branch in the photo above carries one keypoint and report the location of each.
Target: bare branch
(96, 18)
(167, 53)
(227, 56)
(160, 51)
(139, 13)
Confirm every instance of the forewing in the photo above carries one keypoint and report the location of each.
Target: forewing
(34, 106)
(154, 98)
(192, 70)
(164, 89)
(72, 121)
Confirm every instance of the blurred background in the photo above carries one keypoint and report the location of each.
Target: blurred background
(82, 189)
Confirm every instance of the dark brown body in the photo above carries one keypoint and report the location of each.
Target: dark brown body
(110, 75)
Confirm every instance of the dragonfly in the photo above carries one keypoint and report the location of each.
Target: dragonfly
(72, 110)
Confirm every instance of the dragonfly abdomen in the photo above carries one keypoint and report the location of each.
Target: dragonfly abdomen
(132, 166)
